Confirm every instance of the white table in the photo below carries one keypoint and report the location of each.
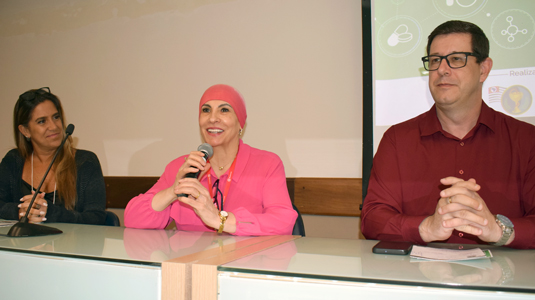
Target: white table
(317, 268)
(101, 262)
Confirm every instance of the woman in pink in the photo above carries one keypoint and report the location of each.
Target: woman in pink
(241, 190)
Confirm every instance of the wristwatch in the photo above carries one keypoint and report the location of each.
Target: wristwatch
(223, 215)
(507, 229)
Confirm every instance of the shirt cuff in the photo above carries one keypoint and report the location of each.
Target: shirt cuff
(411, 229)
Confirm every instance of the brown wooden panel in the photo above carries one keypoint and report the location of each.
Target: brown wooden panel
(120, 189)
(290, 183)
(328, 196)
(312, 196)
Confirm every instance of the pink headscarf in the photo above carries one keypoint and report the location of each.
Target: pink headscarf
(228, 94)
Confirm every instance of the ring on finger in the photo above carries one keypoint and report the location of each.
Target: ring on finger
(198, 195)
(448, 200)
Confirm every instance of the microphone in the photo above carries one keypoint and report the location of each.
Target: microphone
(23, 227)
(208, 151)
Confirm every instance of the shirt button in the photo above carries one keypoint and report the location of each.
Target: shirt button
(462, 144)
(461, 172)
(460, 234)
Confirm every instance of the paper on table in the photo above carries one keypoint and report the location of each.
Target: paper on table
(448, 254)
(483, 264)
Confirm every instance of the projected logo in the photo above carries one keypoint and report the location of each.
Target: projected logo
(515, 99)
(399, 36)
(459, 9)
(513, 29)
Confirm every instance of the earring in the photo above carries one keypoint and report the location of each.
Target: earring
(28, 138)
(241, 130)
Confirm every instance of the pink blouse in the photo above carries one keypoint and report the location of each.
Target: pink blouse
(258, 197)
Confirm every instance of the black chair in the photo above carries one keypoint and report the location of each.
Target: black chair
(299, 227)
(112, 219)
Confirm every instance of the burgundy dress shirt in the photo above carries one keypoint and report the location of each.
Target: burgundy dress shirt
(404, 187)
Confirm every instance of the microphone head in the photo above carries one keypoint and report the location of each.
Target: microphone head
(69, 130)
(206, 148)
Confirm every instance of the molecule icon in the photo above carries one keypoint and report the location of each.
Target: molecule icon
(512, 30)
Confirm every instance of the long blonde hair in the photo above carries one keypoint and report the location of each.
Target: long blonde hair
(65, 164)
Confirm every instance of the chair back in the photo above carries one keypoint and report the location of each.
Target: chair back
(299, 227)
(112, 219)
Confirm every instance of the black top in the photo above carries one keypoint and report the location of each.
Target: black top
(90, 190)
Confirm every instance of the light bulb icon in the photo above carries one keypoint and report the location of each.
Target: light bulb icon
(400, 35)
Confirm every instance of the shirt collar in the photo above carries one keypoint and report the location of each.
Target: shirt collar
(430, 124)
(487, 117)
(244, 152)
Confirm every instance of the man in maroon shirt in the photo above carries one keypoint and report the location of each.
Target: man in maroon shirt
(461, 172)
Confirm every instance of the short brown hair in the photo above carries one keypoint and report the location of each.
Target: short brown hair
(480, 42)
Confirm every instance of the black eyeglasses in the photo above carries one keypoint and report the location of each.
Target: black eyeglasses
(455, 60)
(30, 95)
(217, 192)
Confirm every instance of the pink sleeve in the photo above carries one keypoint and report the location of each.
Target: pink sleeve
(277, 216)
(139, 212)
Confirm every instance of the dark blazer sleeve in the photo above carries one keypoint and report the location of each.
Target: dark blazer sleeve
(10, 185)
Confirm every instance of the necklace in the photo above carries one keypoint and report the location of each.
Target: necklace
(221, 168)
(33, 189)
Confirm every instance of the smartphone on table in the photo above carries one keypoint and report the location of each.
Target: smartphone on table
(389, 247)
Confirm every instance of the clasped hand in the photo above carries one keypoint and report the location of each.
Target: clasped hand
(39, 208)
(460, 207)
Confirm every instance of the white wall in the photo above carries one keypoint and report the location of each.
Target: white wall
(130, 75)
